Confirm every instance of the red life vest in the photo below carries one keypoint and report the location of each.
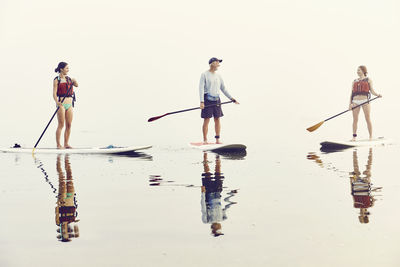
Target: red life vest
(362, 201)
(361, 87)
(65, 89)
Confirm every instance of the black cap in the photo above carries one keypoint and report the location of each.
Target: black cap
(214, 59)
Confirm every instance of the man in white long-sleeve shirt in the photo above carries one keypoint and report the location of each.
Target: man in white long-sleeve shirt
(210, 85)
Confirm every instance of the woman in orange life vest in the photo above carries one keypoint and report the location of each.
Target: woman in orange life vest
(63, 86)
(360, 93)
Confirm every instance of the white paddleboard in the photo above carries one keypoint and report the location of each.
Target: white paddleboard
(89, 150)
(380, 141)
(217, 147)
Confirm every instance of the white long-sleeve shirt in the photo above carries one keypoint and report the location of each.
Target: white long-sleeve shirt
(210, 84)
(212, 211)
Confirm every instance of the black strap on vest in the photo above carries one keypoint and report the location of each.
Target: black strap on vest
(70, 85)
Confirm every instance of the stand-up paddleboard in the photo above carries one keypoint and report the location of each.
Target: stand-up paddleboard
(339, 145)
(218, 147)
(90, 150)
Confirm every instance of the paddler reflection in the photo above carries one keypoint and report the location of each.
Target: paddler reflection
(211, 205)
(361, 187)
(362, 190)
(66, 202)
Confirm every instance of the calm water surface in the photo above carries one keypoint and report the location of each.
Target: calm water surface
(182, 207)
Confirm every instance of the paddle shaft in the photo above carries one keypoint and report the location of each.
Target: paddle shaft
(52, 117)
(184, 110)
(351, 109)
(189, 109)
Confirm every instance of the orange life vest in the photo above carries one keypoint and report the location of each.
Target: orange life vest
(361, 87)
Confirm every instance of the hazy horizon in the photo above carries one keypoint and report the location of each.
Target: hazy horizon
(286, 62)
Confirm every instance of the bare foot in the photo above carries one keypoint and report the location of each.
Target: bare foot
(60, 147)
(217, 141)
(353, 139)
(205, 142)
(68, 146)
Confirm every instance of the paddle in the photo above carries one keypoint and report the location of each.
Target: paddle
(316, 126)
(52, 117)
(184, 110)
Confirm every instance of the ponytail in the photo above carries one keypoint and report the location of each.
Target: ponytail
(60, 66)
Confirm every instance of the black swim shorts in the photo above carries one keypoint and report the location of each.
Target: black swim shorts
(213, 111)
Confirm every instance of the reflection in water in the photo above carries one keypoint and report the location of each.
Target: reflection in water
(40, 166)
(211, 189)
(66, 206)
(157, 180)
(361, 186)
(233, 155)
(66, 202)
(316, 158)
(132, 154)
(213, 205)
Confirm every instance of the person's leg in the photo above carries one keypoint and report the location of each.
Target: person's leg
(217, 129)
(367, 112)
(217, 164)
(61, 119)
(356, 112)
(68, 122)
(205, 129)
(69, 183)
(217, 114)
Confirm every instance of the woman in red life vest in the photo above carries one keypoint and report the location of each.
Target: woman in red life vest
(63, 86)
(360, 93)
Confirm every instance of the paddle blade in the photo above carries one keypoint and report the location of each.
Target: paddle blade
(315, 127)
(156, 118)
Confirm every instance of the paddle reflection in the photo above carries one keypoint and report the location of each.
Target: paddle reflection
(362, 190)
(213, 211)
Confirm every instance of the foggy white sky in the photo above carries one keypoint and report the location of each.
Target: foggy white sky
(284, 60)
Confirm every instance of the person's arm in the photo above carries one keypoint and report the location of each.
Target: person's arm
(223, 89)
(57, 215)
(55, 87)
(204, 217)
(226, 93)
(371, 88)
(74, 82)
(201, 89)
